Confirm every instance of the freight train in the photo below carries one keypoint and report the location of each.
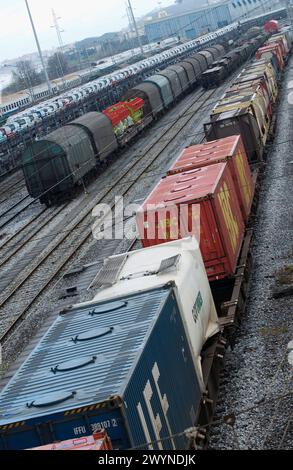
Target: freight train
(141, 359)
(55, 164)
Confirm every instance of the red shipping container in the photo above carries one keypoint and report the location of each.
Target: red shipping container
(117, 113)
(281, 40)
(99, 441)
(135, 104)
(269, 50)
(231, 150)
(272, 26)
(168, 214)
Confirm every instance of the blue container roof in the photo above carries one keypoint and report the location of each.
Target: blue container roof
(86, 357)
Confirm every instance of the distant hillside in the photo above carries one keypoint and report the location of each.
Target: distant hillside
(94, 41)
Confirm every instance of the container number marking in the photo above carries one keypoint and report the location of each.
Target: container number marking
(197, 307)
(96, 427)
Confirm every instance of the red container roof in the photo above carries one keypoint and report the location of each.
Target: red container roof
(99, 441)
(135, 104)
(199, 154)
(116, 113)
(193, 185)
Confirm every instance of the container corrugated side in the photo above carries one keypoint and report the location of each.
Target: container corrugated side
(254, 105)
(163, 395)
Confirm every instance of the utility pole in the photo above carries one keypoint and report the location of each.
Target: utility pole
(135, 26)
(58, 29)
(39, 48)
(289, 10)
(130, 23)
(60, 41)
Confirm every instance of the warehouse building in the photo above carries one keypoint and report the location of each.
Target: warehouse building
(246, 8)
(188, 25)
(188, 20)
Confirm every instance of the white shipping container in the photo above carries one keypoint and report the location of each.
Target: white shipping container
(140, 271)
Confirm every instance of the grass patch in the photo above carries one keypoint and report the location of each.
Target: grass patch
(275, 330)
(285, 275)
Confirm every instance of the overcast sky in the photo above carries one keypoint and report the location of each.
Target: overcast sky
(80, 19)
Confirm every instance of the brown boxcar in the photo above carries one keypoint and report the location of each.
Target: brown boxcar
(172, 211)
(234, 122)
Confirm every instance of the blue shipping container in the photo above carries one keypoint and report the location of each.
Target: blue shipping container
(123, 365)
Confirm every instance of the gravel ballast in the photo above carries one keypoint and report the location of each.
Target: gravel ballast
(257, 374)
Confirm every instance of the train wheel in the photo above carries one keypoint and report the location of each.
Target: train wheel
(45, 200)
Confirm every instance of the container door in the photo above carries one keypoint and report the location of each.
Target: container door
(230, 220)
(211, 245)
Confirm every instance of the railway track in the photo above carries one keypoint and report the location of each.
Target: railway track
(15, 243)
(15, 191)
(10, 214)
(10, 183)
(32, 283)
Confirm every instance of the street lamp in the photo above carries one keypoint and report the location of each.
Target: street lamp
(39, 48)
(135, 26)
